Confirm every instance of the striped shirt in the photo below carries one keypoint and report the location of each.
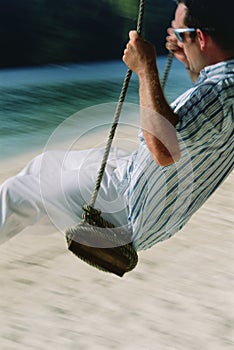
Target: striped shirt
(162, 199)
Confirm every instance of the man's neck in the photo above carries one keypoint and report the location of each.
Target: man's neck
(217, 55)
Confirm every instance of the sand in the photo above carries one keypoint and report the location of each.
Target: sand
(179, 297)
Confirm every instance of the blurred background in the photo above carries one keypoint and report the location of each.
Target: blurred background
(59, 57)
(36, 32)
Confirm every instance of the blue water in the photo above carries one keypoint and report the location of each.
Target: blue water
(35, 101)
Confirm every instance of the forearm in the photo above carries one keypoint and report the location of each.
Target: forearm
(157, 118)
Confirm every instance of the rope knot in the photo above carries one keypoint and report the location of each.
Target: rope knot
(93, 217)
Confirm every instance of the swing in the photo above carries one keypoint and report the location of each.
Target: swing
(95, 240)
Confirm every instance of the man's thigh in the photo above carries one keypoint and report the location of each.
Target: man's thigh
(70, 184)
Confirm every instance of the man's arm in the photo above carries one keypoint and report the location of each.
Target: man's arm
(157, 118)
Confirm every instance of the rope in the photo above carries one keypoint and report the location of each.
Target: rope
(167, 69)
(119, 109)
(87, 240)
(117, 113)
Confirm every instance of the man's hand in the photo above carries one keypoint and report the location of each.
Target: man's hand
(139, 54)
(172, 44)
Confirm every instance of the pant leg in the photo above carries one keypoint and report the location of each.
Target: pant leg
(65, 190)
(57, 184)
(20, 205)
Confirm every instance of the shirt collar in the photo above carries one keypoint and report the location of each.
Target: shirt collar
(216, 69)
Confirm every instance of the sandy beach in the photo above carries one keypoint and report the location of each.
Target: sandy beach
(179, 297)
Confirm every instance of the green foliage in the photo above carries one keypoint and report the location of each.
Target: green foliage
(34, 32)
(127, 9)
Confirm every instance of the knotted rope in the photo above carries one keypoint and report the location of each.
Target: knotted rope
(103, 248)
(119, 109)
(117, 113)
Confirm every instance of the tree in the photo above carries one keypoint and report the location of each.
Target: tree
(36, 32)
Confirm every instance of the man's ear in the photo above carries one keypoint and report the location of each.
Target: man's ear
(202, 39)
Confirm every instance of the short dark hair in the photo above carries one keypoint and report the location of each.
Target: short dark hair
(216, 14)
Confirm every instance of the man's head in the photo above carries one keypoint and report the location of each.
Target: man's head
(214, 15)
(203, 32)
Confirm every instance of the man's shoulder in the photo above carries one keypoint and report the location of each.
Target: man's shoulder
(217, 73)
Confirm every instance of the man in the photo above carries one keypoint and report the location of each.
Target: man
(200, 38)
(186, 149)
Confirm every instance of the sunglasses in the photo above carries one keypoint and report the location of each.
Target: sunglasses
(180, 31)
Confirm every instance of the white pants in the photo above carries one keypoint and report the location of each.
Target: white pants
(56, 185)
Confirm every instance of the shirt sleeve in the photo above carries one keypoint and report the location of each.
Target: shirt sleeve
(200, 116)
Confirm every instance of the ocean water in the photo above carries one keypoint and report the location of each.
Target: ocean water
(35, 101)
